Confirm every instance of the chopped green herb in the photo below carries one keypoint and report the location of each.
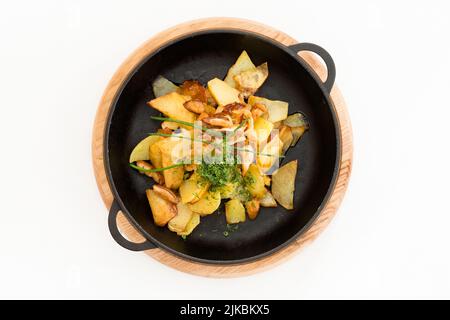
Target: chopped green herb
(226, 234)
(219, 174)
(183, 237)
(249, 179)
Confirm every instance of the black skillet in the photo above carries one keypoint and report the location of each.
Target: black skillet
(203, 56)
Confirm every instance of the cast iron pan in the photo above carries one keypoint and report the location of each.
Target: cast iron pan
(203, 56)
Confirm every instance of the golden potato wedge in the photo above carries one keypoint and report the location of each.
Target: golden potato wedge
(243, 63)
(252, 207)
(248, 82)
(247, 155)
(162, 210)
(172, 151)
(297, 119)
(141, 150)
(286, 137)
(223, 93)
(234, 211)
(155, 153)
(268, 200)
(172, 105)
(269, 154)
(297, 133)
(207, 204)
(283, 184)
(192, 224)
(263, 129)
(181, 220)
(193, 189)
(172, 177)
(254, 181)
(162, 86)
(278, 110)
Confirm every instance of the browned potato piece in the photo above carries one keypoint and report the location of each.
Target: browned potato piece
(166, 193)
(252, 208)
(255, 181)
(283, 184)
(192, 224)
(297, 133)
(286, 137)
(297, 119)
(223, 94)
(271, 152)
(155, 154)
(181, 220)
(263, 129)
(172, 106)
(192, 189)
(162, 210)
(157, 176)
(268, 200)
(234, 211)
(207, 204)
(172, 177)
(171, 151)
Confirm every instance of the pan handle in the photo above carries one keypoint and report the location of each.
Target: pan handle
(331, 68)
(115, 233)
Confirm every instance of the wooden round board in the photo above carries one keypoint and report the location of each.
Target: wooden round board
(196, 268)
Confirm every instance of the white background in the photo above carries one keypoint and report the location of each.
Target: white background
(390, 238)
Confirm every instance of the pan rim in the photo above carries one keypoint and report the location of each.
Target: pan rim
(325, 200)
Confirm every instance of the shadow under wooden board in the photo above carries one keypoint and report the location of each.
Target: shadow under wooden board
(196, 268)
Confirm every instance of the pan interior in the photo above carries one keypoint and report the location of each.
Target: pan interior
(202, 57)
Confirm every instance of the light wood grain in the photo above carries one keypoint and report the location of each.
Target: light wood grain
(206, 269)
